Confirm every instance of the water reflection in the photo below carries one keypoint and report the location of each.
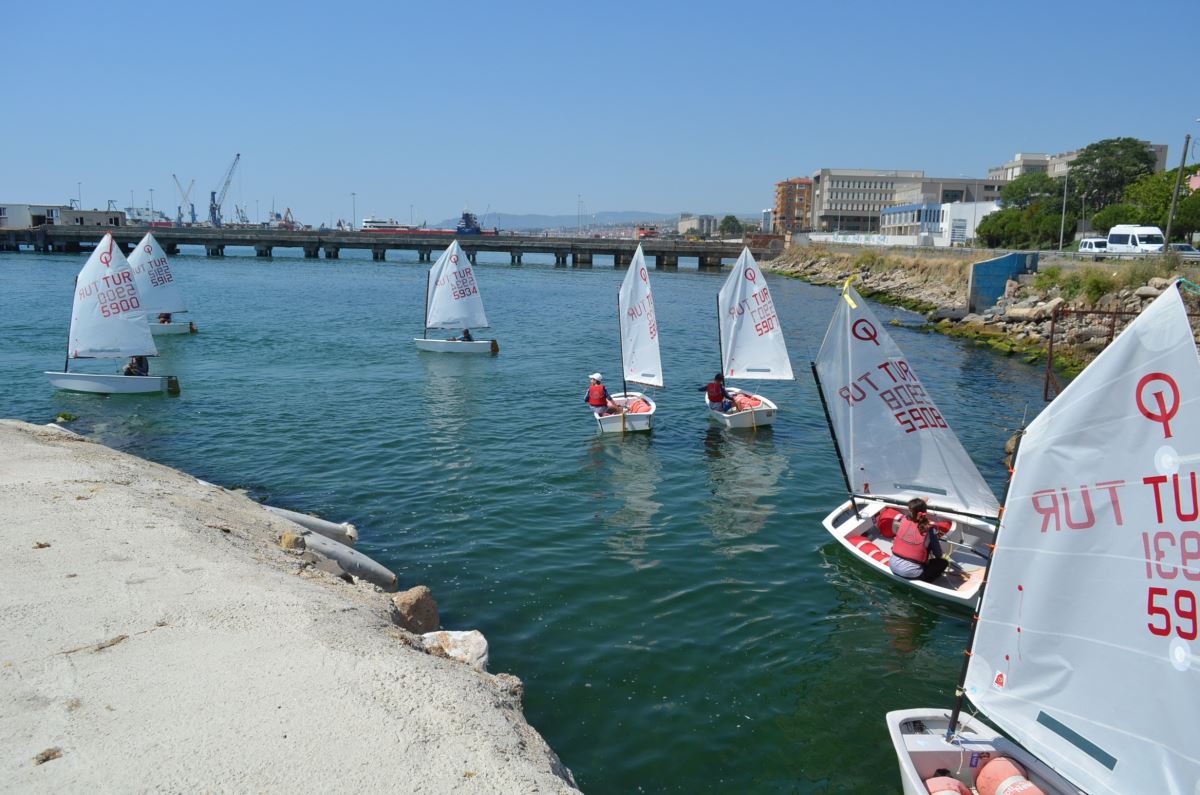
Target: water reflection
(449, 404)
(743, 478)
(632, 468)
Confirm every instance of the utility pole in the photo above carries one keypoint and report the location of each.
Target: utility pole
(1187, 141)
(1062, 226)
(353, 208)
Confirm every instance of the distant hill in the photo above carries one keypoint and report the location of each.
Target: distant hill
(535, 221)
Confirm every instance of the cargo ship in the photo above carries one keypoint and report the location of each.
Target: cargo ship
(467, 225)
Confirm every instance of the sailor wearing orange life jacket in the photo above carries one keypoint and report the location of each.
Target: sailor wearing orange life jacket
(597, 397)
(916, 553)
(718, 398)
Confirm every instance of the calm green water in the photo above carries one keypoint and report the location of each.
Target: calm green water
(672, 603)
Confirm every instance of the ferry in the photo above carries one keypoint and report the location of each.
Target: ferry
(468, 224)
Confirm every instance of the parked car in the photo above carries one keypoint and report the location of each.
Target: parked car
(1096, 246)
(1134, 239)
(1185, 250)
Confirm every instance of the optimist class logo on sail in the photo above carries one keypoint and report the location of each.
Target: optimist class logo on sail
(461, 281)
(115, 293)
(645, 307)
(759, 305)
(1170, 553)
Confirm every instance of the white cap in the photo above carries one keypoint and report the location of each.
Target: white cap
(596, 377)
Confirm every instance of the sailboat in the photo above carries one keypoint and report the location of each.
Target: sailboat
(452, 301)
(156, 285)
(640, 360)
(108, 322)
(1084, 650)
(751, 343)
(893, 444)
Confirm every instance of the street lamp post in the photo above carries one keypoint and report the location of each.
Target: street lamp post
(151, 204)
(1062, 226)
(353, 208)
(79, 194)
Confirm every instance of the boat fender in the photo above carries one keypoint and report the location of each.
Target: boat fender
(495, 347)
(869, 549)
(885, 522)
(944, 785)
(172, 385)
(1003, 776)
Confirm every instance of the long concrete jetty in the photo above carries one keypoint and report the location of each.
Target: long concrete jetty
(577, 251)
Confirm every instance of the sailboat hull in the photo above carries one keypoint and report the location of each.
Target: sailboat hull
(959, 585)
(919, 739)
(756, 417)
(628, 422)
(162, 329)
(106, 384)
(457, 346)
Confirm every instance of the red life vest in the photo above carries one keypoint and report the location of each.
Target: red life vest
(909, 543)
(714, 392)
(596, 395)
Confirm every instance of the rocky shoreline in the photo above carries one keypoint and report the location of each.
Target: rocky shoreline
(1101, 301)
(159, 632)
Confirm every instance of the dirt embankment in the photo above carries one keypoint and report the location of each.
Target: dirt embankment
(154, 635)
(1093, 301)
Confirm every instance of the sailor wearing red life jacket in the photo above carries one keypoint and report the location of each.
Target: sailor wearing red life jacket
(916, 553)
(597, 397)
(718, 398)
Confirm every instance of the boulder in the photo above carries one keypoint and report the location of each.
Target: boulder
(1159, 283)
(1010, 288)
(469, 647)
(416, 610)
(1020, 314)
(947, 313)
(1147, 292)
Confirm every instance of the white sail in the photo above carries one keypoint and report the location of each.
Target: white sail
(894, 441)
(157, 288)
(1086, 650)
(452, 294)
(752, 344)
(639, 328)
(107, 319)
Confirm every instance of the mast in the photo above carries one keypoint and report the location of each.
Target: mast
(833, 435)
(425, 331)
(67, 360)
(621, 343)
(720, 348)
(960, 689)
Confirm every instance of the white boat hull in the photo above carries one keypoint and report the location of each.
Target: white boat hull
(161, 329)
(958, 585)
(919, 739)
(107, 384)
(628, 422)
(457, 346)
(756, 417)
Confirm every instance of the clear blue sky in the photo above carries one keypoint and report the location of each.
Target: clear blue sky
(520, 107)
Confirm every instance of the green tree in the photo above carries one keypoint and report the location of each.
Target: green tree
(1115, 214)
(1028, 188)
(730, 226)
(1187, 216)
(1152, 195)
(1104, 169)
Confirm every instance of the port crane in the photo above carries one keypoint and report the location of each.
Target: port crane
(215, 201)
(183, 200)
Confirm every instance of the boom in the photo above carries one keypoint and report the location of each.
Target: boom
(215, 201)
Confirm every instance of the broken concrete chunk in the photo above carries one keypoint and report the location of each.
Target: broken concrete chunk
(469, 647)
(416, 610)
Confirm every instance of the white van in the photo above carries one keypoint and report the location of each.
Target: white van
(1097, 247)
(1134, 239)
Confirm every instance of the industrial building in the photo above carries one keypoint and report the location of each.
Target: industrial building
(21, 216)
